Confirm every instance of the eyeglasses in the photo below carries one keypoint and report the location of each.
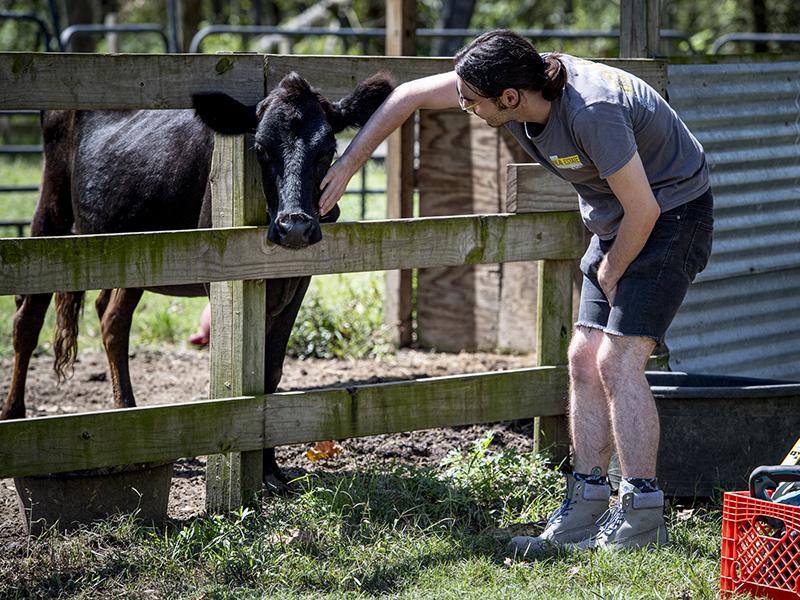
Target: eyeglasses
(462, 102)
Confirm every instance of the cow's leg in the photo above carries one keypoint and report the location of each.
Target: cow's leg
(101, 304)
(28, 322)
(53, 216)
(116, 327)
(284, 297)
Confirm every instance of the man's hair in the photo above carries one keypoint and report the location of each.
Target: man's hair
(501, 59)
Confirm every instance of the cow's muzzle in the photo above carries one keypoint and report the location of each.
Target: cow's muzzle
(294, 230)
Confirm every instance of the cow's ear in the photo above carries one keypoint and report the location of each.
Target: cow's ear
(224, 114)
(354, 110)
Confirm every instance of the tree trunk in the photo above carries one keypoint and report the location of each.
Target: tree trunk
(189, 17)
(86, 12)
(760, 22)
(456, 14)
(81, 13)
(218, 12)
(791, 22)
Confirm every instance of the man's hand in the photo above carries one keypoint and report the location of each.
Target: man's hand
(608, 279)
(334, 184)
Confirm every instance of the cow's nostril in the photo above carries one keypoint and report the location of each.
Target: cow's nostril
(296, 230)
(280, 226)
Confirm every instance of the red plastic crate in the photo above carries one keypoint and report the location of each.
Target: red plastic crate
(760, 547)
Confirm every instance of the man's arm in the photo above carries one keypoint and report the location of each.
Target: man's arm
(435, 92)
(632, 189)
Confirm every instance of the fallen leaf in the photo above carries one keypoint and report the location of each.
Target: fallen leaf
(324, 451)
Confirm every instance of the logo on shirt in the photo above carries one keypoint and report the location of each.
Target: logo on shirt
(567, 162)
(617, 79)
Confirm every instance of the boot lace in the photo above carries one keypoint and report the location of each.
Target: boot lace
(562, 511)
(610, 521)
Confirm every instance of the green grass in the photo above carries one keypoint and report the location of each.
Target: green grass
(341, 315)
(399, 532)
(14, 171)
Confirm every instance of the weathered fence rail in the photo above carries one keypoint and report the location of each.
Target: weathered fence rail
(235, 257)
(35, 265)
(128, 81)
(161, 433)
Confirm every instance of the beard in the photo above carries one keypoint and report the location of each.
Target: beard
(499, 118)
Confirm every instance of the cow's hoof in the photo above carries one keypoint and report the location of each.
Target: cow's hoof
(285, 483)
(275, 484)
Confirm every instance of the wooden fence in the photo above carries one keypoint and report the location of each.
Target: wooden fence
(240, 420)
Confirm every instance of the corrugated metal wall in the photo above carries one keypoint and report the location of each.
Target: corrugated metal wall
(742, 315)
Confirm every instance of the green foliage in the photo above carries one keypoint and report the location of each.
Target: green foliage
(507, 485)
(341, 317)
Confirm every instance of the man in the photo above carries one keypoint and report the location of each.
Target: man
(642, 182)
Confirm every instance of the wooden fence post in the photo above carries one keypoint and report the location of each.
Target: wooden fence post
(401, 36)
(238, 321)
(553, 332)
(531, 188)
(639, 35)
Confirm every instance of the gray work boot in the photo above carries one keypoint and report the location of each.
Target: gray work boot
(572, 522)
(636, 522)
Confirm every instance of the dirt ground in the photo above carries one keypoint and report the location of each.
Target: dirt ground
(183, 376)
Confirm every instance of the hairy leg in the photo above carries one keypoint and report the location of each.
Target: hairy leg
(590, 425)
(621, 363)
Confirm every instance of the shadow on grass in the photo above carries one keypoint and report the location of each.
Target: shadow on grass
(383, 529)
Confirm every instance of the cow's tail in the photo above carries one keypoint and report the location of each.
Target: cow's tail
(69, 306)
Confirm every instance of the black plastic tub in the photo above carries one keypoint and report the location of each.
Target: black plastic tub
(715, 429)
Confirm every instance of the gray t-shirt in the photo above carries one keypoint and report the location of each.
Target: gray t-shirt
(596, 126)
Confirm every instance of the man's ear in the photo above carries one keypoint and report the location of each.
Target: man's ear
(511, 97)
(224, 114)
(356, 109)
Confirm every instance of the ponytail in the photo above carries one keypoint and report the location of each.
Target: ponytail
(555, 77)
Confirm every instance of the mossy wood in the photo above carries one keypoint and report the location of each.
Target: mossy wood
(553, 332)
(238, 321)
(124, 81)
(532, 188)
(130, 81)
(401, 30)
(35, 265)
(70, 442)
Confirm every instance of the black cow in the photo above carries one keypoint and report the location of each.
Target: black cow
(122, 171)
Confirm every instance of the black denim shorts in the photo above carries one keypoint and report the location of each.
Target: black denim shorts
(652, 289)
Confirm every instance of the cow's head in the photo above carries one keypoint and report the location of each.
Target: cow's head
(294, 131)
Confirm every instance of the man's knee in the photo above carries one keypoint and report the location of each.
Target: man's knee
(621, 356)
(582, 355)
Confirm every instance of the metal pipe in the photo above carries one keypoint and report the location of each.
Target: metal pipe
(72, 30)
(26, 16)
(780, 38)
(375, 32)
(21, 149)
(56, 23)
(174, 44)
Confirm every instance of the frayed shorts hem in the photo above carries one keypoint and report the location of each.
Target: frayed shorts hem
(617, 333)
